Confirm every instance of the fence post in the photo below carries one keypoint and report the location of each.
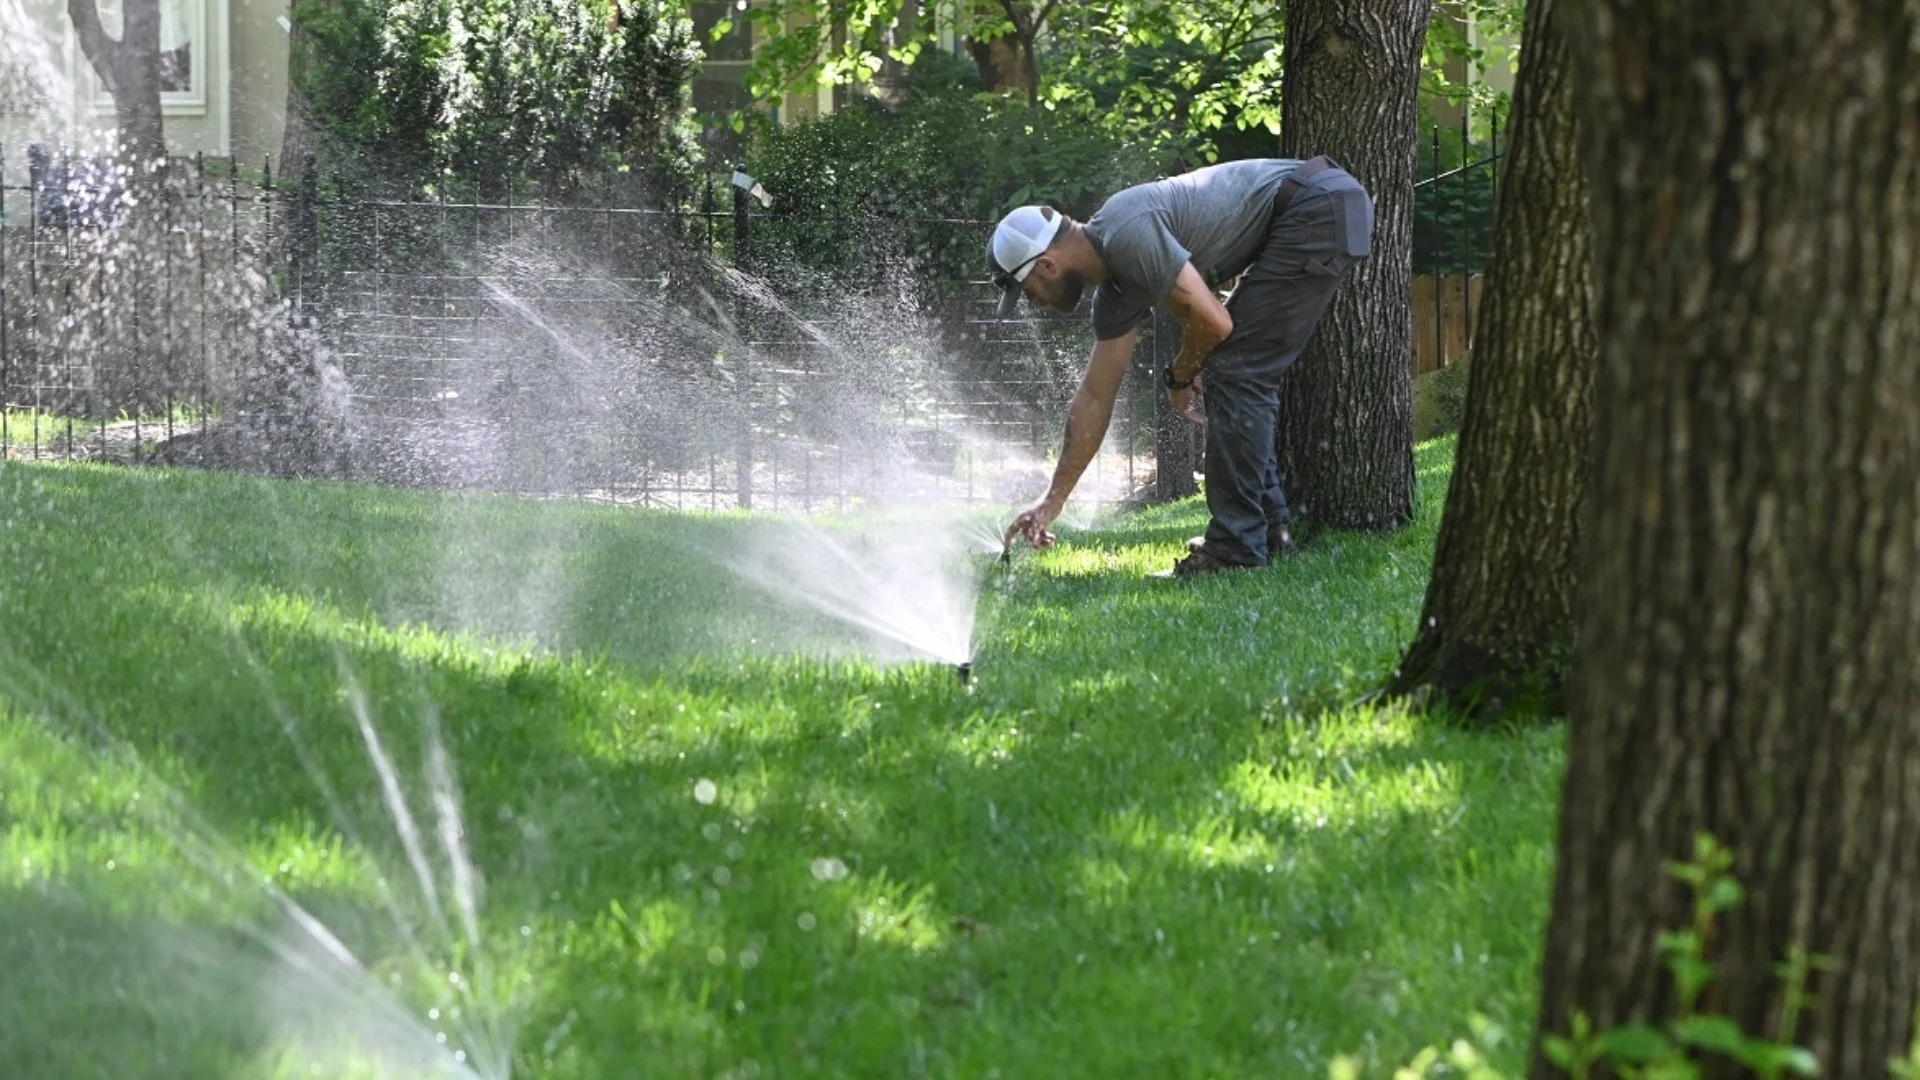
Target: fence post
(1466, 232)
(305, 239)
(1172, 441)
(35, 163)
(6, 358)
(1493, 155)
(1436, 276)
(742, 263)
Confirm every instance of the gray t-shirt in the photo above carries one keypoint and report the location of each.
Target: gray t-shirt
(1215, 218)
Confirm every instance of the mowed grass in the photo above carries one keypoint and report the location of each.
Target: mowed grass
(1151, 839)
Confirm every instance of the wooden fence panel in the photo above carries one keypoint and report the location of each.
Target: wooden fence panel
(1443, 313)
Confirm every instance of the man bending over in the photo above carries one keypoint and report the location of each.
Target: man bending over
(1288, 230)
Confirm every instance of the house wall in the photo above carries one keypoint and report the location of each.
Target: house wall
(259, 76)
(238, 107)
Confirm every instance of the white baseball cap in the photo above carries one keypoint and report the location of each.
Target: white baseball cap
(1020, 238)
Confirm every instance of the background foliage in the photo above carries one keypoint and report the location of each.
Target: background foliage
(558, 95)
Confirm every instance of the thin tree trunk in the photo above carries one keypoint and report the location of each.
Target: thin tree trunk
(1345, 436)
(1497, 628)
(130, 68)
(1007, 62)
(1751, 607)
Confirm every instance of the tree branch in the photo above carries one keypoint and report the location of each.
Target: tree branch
(1040, 20)
(94, 42)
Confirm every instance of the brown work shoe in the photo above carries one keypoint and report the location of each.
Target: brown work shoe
(1280, 543)
(1199, 562)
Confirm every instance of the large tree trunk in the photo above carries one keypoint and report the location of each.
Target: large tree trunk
(130, 68)
(1497, 629)
(1345, 436)
(1751, 608)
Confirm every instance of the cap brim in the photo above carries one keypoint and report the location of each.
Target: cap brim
(1008, 299)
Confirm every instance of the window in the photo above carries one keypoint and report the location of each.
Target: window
(184, 55)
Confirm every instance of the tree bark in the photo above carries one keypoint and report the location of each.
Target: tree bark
(1007, 62)
(1497, 628)
(1345, 437)
(130, 68)
(1751, 603)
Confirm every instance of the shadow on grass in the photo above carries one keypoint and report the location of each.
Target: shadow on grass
(889, 869)
(1121, 853)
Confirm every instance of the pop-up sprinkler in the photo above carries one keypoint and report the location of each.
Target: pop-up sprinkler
(965, 671)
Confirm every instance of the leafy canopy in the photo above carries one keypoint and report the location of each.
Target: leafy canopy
(544, 91)
(1193, 81)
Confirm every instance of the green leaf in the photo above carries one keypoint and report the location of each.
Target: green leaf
(1684, 942)
(1716, 1033)
(1638, 1043)
(1687, 872)
(1692, 975)
(1771, 1059)
(1724, 893)
(1559, 1050)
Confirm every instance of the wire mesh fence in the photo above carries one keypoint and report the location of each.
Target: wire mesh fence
(726, 355)
(121, 323)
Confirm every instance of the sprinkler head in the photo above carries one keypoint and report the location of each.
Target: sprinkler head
(965, 671)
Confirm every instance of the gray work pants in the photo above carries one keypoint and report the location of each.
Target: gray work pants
(1275, 306)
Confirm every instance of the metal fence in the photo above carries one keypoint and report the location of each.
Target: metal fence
(119, 331)
(721, 356)
(1453, 240)
(670, 358)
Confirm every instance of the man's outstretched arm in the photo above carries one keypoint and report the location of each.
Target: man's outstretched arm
(1087, 418)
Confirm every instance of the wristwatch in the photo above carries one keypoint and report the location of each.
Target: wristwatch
(1172, 384)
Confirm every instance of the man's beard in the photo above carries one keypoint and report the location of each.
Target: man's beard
(1064, 296)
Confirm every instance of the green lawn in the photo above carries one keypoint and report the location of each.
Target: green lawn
(1150, 839)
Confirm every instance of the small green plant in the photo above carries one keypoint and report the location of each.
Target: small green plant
(1670, 1051)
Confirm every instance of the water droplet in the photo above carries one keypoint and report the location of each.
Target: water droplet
(716, 956)
(807, 921)
(526, 931)
(460, 1056)
(749, 958)
(705, 791)
(722, 875)
(110, 864)
(440, 1037)
(453, 977)
(433, 1014)
(711, 830)
(829, 868)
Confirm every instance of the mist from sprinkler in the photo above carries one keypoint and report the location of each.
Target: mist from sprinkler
(906, 596)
